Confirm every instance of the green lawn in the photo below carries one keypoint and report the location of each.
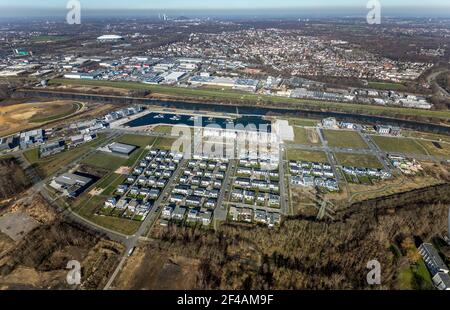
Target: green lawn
(255, 99)
(401, 145)
(344, 139)
(309, 156)
(306, 136)
(137, 140)
(105, 161)
(358, 160)
(47, 38)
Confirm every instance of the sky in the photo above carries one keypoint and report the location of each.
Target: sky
(398, 7)
(214, 4)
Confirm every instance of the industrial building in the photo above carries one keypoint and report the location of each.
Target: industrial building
(52, 148)
(120, 148)
(110, 38)
(71, 184)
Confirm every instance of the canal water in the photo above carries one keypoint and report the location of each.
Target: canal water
(155, 118)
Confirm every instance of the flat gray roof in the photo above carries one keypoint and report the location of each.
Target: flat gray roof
(70, 179)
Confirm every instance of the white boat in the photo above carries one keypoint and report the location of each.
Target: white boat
(159, 116)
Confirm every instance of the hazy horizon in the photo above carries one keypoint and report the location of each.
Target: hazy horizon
(313, 12)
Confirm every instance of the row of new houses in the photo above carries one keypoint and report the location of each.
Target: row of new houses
(194, 215)
(438, 269)
(250, 215)
(239, 195)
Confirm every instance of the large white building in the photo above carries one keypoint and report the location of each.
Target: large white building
(109, 38)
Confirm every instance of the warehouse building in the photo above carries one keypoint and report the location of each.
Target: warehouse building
(71, 184)
(122, 149)
(109, 38)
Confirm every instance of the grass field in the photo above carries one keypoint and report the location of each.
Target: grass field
(303, 122)
(230, 95)
(48, 38)
(164, 144)
(306, 136)
(166, 129)
(49, 165)
(401, 145)
(105, 161)
(425, 135)
(31, 155)
(309, 156)
(137, 140)
(387, 86)
(358, 160)
(344, 139)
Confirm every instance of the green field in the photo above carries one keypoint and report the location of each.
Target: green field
(309, 156)
(387, 86)
(306, 136)
(50, 165)
(425, 135)
(105, 161)
(344, 139)
(32, 155)
(137, 140)
(164, 144)
(48, 38)
(401, 145)
(256, 99)
(358, 160)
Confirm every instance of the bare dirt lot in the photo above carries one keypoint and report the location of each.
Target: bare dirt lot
(17, 224)
(14, 118)
(153, 268)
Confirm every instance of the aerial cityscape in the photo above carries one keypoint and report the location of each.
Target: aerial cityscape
(204, 147)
